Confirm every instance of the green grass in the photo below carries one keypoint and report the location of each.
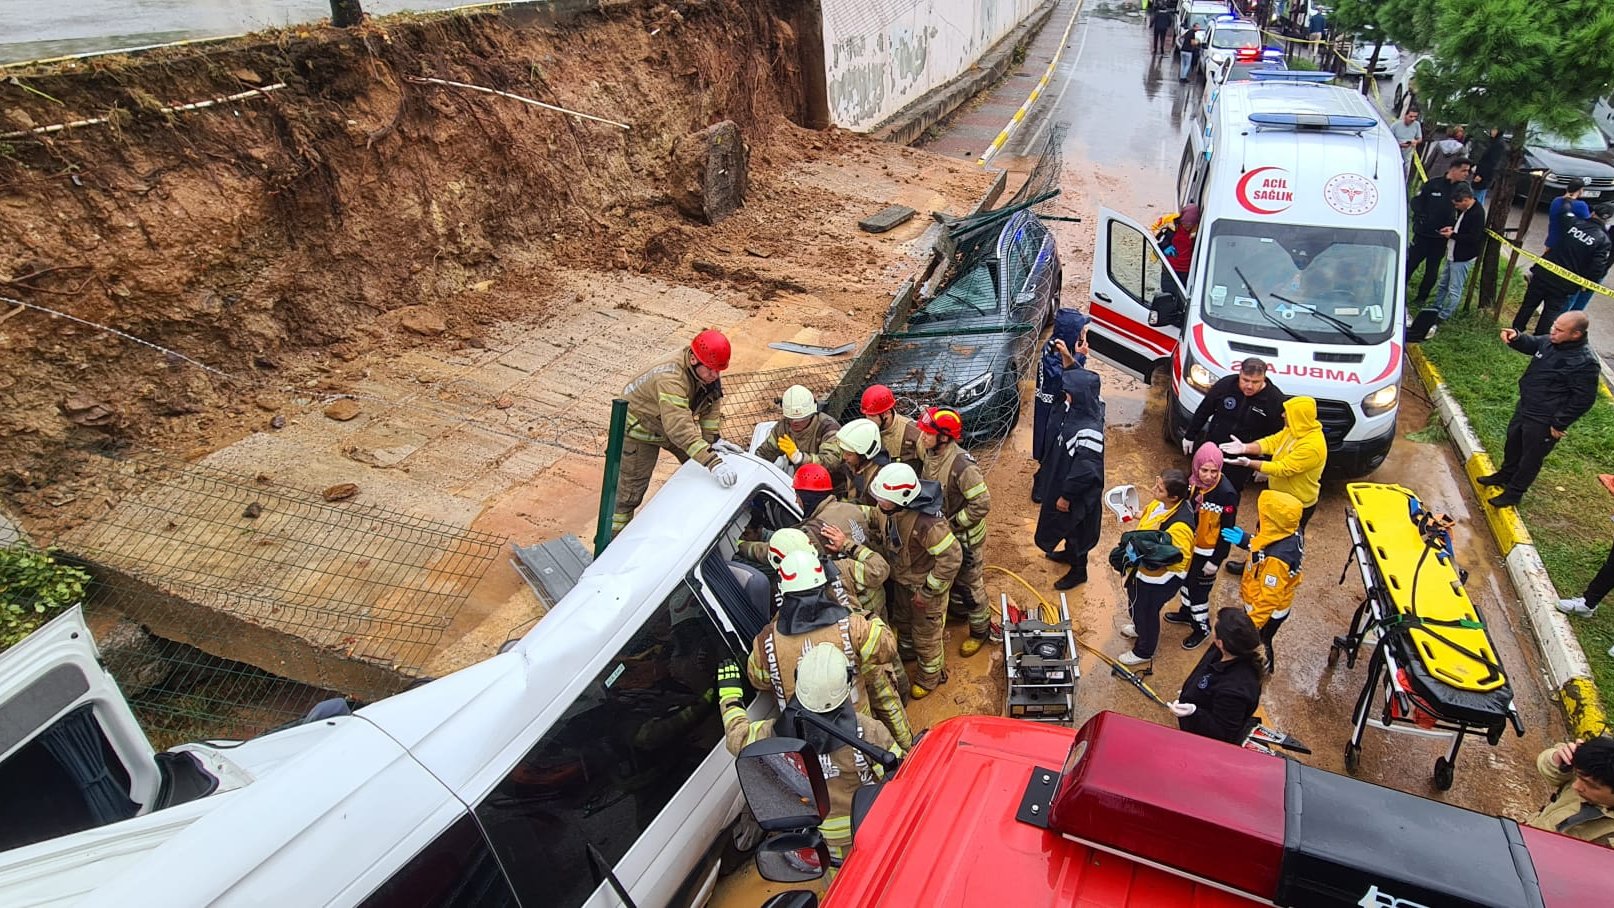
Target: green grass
(1296, 61)
(1567, 510)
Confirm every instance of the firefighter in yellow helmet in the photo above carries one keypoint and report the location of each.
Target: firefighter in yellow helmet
(822, 686)
(925, 560)
(965, 502)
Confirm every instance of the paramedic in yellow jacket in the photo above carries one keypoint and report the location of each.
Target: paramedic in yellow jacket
(1268, 587)
(822, 687)
(1295, 455)
(1149, 589)
(965, 501)
(925, 560)
(676, 405)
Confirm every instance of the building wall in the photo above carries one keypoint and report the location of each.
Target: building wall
(881, 55)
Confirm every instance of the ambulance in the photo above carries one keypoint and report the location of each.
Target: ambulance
(1299, 260)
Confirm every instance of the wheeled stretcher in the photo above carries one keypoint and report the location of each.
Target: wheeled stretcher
(1433, 669)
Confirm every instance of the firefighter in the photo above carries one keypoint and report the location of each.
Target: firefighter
(965, 501)
(925, 560)
(676, 405)
(1215, 503)
(898, 433)
(823, 685)
(863, 453)
(844, 531)
(1268, 587)
(804, 435)
(808, 614)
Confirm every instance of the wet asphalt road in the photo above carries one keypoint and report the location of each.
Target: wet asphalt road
(1128, 118)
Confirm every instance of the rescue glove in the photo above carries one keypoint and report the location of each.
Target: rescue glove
(788, 446)
(1169, 251)
(1238, 536)
(1210, 568)
(1232, 447)
(1239, 462)
(724, 446)
(725, 475)
(1181, 710)
(1188, 447)
(728, 682)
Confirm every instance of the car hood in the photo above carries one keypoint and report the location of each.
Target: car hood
(931, 366)
(1570, 163)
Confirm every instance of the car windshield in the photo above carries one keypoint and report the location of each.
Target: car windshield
(973, 294)
(1229, 38)
(1588, 140)
(1294, 282)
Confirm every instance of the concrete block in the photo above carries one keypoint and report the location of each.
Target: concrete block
(886, 218)
(1583, 708)
(1564, 658)
(1505, 524)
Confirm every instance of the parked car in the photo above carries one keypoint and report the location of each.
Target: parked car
(969, 347)
(1603, 114)
(1583, 154)
(1404, 89)
(1196, 12)
(1362, 54)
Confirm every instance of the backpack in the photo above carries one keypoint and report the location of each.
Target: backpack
(1144, 548)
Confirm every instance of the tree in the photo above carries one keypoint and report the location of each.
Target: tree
(1515, 64)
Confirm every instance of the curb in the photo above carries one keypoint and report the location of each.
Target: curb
(1567, 669)
(906, 125)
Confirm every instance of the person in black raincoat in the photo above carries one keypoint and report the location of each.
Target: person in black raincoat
(1049, 399)
(1071, 480)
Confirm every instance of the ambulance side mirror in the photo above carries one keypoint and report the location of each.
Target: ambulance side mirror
(1166, 309)
(783, 784)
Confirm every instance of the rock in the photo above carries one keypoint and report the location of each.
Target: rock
(266, 404)
(709, 172)
(134, 657)
(340, 491)
(277, 422)
(476, 343)
(247, 75)
(482, 286)
(758, 253)
(343, 410)
(83, 410)
(504, 402)
(422, 321)
(252, 511)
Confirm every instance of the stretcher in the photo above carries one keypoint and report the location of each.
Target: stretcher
(1433, 670)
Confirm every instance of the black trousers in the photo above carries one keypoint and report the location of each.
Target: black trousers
(1428, 251)
(1528, 443)
(1603, 582)
(1162, 41)
(1552, 303)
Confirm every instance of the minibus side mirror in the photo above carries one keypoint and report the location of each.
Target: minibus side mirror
(783, 784)
(794, 857)
(795, 898)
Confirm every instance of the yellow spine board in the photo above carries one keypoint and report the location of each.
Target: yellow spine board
(1395, 546)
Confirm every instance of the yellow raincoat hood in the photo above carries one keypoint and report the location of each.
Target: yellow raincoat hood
(1280, 517)
(1302, 415)
(1298, 452)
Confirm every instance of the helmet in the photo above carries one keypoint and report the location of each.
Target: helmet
(876, 400)
(1123, 500)
(798, 403)
(861, 436)
(783, 542)
(823, 678)
(711, 349)
(896, 483)
(812, 477)
(942, 421)
(801, 571)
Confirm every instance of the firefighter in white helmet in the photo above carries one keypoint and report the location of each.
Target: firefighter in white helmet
(863, 454)
(805, 436)
(925, 560)
(822, 685)
(809, 614)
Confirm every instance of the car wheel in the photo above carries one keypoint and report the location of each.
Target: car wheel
(1400, 95)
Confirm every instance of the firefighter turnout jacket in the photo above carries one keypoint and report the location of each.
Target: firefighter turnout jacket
(925, 556)
(901, 441)
(965, 498)
(868, 644)
(668, 406)
(864, 568)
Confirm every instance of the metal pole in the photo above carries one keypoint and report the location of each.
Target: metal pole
(613, 470)
(346, 13)
(1532, 199)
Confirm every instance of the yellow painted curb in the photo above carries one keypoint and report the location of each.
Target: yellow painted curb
(1584, 709)
(1426, 369)
(1505, 524)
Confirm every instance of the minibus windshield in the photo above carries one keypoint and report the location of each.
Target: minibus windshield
(1326, 285)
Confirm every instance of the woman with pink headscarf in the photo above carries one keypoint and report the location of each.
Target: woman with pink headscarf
(1215, 503)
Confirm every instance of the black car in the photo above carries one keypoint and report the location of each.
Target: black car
(970, 346)
(1584, 155)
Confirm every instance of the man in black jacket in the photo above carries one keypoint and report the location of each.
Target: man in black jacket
(1432, 213)
(1245, 404)
(1465, 238)
(1582, 249)
(1557, 388)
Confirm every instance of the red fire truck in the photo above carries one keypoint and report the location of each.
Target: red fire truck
(992, 813)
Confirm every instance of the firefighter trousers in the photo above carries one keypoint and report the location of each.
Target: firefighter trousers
(638, 463)
(969, 593)
(924, 630)
(885, 685)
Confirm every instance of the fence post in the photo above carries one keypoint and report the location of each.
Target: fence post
(346, 13)
(613, 469)
(1531, 200)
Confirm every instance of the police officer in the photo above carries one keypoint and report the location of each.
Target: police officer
(1557, 388)
(1582, 249)
(1246, 404)
(677, 406)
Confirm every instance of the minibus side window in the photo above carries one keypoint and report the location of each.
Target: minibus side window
(620, 753)
(455, 871)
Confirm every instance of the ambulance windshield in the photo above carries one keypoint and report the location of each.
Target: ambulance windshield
(1323, 285)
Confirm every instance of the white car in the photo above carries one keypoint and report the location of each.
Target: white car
(1404, 90)
(1362, 53)
(1227, 37)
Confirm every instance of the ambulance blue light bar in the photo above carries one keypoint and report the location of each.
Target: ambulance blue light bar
(1313, 121)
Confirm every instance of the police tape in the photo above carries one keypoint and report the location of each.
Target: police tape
(1556, 269)
(1036, 92)
(1373, 85)
(1417, 164)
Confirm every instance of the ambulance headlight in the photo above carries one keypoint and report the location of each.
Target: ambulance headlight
(1197, 376)
(1382, 400)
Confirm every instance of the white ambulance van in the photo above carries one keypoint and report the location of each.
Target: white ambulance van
(1299, 260)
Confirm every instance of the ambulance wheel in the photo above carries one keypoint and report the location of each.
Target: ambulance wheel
(1445, 772)
(1353, 758)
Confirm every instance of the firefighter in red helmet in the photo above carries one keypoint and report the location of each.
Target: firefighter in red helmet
(675, 405)
(965, 503)
(898, 433)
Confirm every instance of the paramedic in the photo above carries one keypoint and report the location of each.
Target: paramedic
(1245, 404)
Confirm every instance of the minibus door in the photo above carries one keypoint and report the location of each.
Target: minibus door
(1138, 305)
